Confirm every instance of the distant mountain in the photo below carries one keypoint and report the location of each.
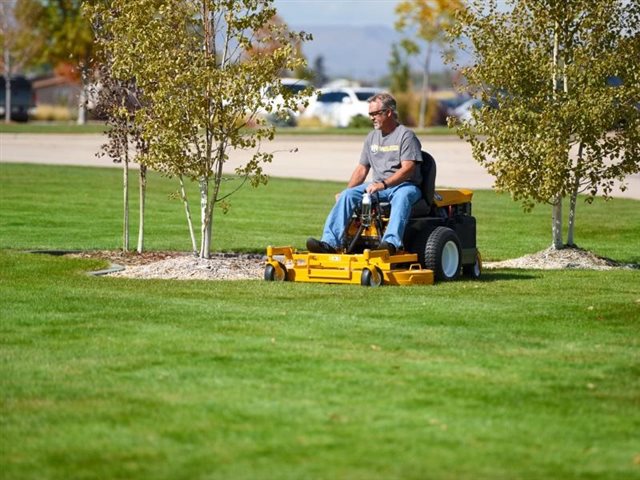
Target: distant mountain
(360, 53)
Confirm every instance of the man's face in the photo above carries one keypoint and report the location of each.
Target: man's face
(377, 114)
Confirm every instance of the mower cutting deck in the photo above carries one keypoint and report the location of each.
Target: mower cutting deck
(370, 268)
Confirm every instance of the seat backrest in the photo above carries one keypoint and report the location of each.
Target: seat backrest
(428, 171)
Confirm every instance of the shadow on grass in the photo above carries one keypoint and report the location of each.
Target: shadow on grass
(500, 275)
(55, 253)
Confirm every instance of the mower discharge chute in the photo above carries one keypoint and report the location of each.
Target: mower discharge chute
(440, 244)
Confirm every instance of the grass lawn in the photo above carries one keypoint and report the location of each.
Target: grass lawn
(525, 374)
(52, 127)
(99, 127)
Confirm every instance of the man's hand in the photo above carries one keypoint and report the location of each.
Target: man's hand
(375, 187)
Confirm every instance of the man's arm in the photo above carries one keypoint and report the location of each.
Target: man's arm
(403, 174)
(358, 176)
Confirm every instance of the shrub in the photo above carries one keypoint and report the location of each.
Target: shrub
(52, 113)
(310, 122)
(359, 121)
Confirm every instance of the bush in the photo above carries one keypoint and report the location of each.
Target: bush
(282, 119)
(52, 113)
(310, 122)
(409, 110)
(359, 121)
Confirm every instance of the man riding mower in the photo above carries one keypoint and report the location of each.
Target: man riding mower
(439, 240)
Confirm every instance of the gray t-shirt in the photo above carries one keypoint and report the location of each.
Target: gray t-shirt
(384, 154)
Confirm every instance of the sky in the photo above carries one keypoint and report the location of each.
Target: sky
(358, 52)
(340, 12)
(337, 12)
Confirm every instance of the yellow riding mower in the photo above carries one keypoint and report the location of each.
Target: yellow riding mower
(440, 242)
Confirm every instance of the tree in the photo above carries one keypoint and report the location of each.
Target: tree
(319, 72)
(560, 127)
(118, 101)
(19, 47)
(400, 84)
(66, 37)
(400, 76)
(7, 35)
(264, 43)
(204, 76)
(427, 20)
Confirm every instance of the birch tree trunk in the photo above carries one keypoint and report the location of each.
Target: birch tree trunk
(143, 194)
(572, 216)
(556, 212)
(556, 223)
(187, 209)
(82, 104)
(205, 216)
(205, 213)
(574, 200)
(125, 220)
(7, 85)
(425, 86)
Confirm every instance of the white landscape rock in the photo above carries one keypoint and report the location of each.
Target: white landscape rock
(231, 266)
(184, 267)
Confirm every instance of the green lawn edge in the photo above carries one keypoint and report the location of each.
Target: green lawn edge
(522, 374)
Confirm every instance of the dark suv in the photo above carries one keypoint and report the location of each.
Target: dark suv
(22, 98)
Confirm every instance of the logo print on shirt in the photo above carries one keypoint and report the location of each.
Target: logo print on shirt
(384, 148)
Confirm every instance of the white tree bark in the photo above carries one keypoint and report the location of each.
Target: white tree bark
(425, 86)
(6, 10)
(187, 209)
(573, 203)
(556, 212)
(572, 217)
(142, 193)
(205, 215)
(125, 219)
(82, 105)
(556, 223)
(7, 85)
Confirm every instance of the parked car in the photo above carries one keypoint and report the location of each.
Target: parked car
(464, 112)
(337, 106)
(290, 116)
(22, 98)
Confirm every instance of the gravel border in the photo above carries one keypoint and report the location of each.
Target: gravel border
(240, 266)
(218, 267)
(561, 259)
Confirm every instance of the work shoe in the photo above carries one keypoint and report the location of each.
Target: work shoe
(389, 247)
(318, 246)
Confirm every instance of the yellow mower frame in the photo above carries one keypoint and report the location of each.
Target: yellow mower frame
(370, 268)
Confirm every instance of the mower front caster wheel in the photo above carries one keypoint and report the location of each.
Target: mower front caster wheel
(474, 271)
(371, 277)
(277, 273)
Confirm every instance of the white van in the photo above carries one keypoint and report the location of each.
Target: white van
(337, 106)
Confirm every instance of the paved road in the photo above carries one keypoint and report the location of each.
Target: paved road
(295, 156)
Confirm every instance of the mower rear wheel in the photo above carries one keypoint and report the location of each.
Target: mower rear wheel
(371, 277)
(275, 273)
(442, 254)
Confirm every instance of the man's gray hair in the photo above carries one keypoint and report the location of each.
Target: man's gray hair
(387, 101)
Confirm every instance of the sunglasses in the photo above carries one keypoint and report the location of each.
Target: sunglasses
(377, 112)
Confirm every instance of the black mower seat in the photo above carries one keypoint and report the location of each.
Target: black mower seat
(428, 186)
